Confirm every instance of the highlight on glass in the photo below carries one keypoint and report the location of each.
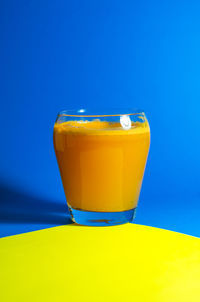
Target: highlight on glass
(102, 158)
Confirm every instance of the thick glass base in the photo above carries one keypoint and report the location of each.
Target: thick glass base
(101, 218)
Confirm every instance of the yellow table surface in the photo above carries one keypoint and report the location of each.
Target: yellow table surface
(121, 263)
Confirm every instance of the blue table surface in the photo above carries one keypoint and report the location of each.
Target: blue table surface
(22, 212)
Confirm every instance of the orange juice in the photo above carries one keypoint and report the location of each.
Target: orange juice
(101, 164)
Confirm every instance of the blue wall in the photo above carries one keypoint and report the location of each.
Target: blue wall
(69, 54)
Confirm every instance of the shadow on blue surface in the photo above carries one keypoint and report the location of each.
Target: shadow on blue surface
(20, 212)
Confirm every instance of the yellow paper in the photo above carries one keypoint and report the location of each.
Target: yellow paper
(88, 264)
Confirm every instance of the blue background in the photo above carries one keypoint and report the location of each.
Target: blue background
(58, 55)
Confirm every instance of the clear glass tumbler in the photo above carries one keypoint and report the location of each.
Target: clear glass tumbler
(102, 158)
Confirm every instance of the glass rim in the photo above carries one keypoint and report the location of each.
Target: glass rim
(108, 112)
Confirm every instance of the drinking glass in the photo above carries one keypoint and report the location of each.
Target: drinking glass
(102, 156)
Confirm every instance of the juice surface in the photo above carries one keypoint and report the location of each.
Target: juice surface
(101, 164)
